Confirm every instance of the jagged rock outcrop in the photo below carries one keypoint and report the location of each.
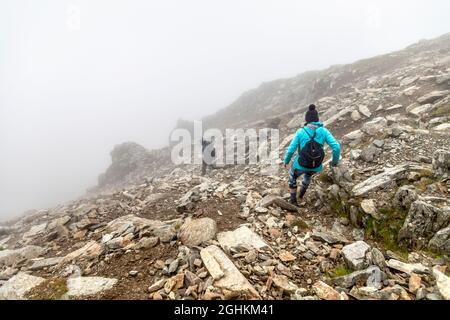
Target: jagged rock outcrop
(422, 223)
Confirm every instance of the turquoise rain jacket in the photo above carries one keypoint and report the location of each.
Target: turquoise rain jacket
(301, 138)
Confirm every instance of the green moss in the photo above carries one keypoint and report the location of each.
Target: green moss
(299, 223)
(1, 248)
(385, 231)
(51, 289)
(341, 208)
(339, 271)
(423, 183)
(440, 111)
(324, 177)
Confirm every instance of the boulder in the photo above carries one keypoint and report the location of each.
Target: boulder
(44, 263)
(441, 241)
(442, 283)
(422, 222)
(355, 115)
(196, 231)
(325, 292)
(240, 239)
(442, 127)
(329, 237)
(370, 293)
(432, 96)
(342, 176)
(232, 279)
(11, 257)
(375, 126)
(369, 207)
(441, 163)
(90, 250)
(355, 255)
(356, 136)
(18, 286)
(404, 197)
(85, 286)
(380, 180)
(364, 110)
(35, 230)
(407, 267)
(414, 283)
(421, 110)
(361, 276)
(370, 153)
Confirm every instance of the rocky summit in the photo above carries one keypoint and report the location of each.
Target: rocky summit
(377, 226)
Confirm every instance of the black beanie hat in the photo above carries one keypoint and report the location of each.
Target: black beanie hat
(311, 115)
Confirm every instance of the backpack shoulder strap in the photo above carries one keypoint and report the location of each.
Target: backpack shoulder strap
(307, 132)
(310, 137)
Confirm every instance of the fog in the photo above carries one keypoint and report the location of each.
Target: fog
(78, 77)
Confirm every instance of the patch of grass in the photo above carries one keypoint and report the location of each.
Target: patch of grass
(324, 177)
(385, 231)
(299, 223)
(339, 271)
(1, 248)
(51, 289)
(423, 183)
(340, 207)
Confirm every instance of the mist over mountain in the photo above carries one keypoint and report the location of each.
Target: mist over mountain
(78, 77)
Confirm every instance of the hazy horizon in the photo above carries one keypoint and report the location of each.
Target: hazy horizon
(78, 77)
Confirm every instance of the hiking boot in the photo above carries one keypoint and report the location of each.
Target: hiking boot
(293, 202)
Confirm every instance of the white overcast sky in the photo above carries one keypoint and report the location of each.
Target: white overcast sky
(78, 77)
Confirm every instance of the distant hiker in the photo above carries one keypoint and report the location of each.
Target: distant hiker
(209, 155)
(309, 141)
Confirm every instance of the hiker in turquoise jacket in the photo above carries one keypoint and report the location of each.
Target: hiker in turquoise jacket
(302, 136)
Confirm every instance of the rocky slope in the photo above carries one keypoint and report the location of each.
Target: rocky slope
(376, 227)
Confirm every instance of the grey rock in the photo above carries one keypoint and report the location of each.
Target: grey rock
(278, 201)
(370, 293)
(378, 143)
(355, 255)
(369, 207)
(407, 267)
(10, 257)
(329, 237)
(147, 242)
(375, 126)
(240, 239)
(441, 241)
(364, 110)
(421, 294)
(373, 273)
(44, 263)
(378, 258)
(18, 286)
(370, 153)
(422, 222)
(217, 262)
(441, 163)
(85, 286)
(173, 266)
(281, 281)
(442, 283)
(196, 231)
(432, 96)
(405, 196)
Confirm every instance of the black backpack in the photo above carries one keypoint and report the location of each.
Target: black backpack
(312, 154)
